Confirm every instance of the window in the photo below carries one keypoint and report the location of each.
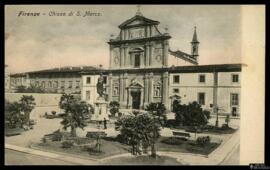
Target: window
(56, 84)
(105, 79)
(37, 83)
(62, 84)
(77, 84)
(88, 80)
(43, 84)
(202, 78)
(176, 79)
(70, 84)
(201, 98)
(175, 90)
(50, 84)
(115, 90)
(87, 95)
(234, 99)
(137, 60)
(157, 91)
(235, 78)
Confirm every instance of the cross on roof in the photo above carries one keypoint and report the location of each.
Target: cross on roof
(138, 10)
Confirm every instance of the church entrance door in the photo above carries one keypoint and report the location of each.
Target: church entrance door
(136, 99)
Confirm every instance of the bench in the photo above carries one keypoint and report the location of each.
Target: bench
(95, 134)
(181, 134)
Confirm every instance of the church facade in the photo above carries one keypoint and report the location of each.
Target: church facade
(143, 69)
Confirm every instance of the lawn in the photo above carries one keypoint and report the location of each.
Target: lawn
(108, 148)
(142, 160)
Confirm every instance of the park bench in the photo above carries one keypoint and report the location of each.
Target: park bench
(95, 134)
(181, 134)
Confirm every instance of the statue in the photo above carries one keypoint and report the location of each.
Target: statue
(100, 88)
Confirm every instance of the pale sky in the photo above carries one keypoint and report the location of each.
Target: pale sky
(42, 42)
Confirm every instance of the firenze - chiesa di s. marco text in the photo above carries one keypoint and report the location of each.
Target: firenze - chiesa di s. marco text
(144, 69)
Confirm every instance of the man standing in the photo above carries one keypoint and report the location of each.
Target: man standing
(105, 123)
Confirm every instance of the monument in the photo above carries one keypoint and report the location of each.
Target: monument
(100, 107)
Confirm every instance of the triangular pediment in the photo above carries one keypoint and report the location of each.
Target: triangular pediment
(138, 20)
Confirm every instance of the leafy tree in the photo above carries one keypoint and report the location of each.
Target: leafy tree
(13, 114)
(114, 107)
(137, 129)
(191, 115)
(27, 105)
(76, 112)
(158, 110)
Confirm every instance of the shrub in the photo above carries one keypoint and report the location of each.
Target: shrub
(202, 141)
(54, 113)
(67, 144)
(224, 126)
(191, 115)
(50, 116)
(174, 141)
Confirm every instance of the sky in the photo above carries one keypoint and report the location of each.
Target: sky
(43, 42)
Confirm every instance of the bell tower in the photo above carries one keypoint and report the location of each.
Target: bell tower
(195, 45)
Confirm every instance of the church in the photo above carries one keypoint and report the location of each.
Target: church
(143, 69)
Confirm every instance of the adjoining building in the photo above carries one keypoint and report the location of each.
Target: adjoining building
(56, 80)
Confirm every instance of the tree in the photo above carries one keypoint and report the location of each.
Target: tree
(13, 114)
(158, 110)
(27, 105)
(137, 129)
(114, 107)
(76, 112)
(192, 115)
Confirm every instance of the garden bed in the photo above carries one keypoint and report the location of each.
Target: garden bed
(142, 160)
(108, 148)
(173, 144)
(207, 129)
(219, 130)
(13, 131)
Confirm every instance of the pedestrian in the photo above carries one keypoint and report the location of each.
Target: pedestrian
(105, 123)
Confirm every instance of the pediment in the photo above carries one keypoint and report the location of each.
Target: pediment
(135, 84)
(138, 20)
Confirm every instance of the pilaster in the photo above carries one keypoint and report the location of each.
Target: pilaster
(146, 88)
(125, 95)
(165, 52)
(165, 89)
(151, 76)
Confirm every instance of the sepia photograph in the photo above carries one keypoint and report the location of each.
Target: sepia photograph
(133, 84)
